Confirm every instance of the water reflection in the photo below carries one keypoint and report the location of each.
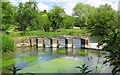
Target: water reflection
(27, 55)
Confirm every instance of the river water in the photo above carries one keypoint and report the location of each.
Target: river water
(56, 60)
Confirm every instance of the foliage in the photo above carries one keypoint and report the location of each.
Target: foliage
(102, 21)
(27, 16)
(8, 14)
(68, 21)
(46, 21)
(7, 44)
(113, 45)
(82, 13)
(14, 69)
(56, 17)
(84, 70)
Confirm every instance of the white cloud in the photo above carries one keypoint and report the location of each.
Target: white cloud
(60, 0)
(42, 7)
(97, 3)
(14, 2)
(115, 6)
(69, 7)
(23, 1)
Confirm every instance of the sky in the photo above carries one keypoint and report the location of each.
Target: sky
(68, 5)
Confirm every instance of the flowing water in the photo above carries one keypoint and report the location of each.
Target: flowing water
(55, 60)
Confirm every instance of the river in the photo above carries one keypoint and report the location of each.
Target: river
(55, 60)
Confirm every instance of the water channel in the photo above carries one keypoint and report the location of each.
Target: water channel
(56, 60)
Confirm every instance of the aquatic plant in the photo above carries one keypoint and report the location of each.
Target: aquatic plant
(83, 53)
(84, 70)
(53, 66)
(14, 69)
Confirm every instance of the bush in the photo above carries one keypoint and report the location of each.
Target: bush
(7, 44)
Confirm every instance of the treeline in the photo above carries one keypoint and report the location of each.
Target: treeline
(26, 16)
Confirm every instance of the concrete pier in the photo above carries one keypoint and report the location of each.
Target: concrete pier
(32, 42)
(54, 42)
(40, 42)
(82, 43)
(86, 42)
(68, 43)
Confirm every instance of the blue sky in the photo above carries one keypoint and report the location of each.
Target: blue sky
(68, 5)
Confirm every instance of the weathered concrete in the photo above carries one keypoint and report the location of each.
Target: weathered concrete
(40, 42)
(95, 46)
(32, 42)
(82, 43)
(86, 42)
(68, 43)
(54, 42)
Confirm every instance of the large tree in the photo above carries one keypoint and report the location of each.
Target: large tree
(102, 22)
(68, 21)
(82, 13)
(56, 17)
(8, 14)
(28, 16)
(46, 22)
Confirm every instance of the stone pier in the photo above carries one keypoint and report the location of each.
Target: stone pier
(68, 43)
(32, 42)
(40, 42)
(54, 42)
(82, 43)
(86, 42)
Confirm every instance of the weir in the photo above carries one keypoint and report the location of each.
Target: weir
(54, 42)
(40, 42)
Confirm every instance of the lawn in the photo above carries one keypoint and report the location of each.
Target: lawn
(40, 33)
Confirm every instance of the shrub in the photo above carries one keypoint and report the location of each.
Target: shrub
(7, 44)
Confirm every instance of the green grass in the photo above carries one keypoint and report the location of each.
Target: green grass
(40, 33)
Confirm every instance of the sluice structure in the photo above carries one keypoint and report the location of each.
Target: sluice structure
(55, 42)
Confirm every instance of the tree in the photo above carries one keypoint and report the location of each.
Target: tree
(102, 21)
(82, 13)
(68, 21)
(8, 12)
(28, 16)
(46, 22)
(113, 45)
(56, 17)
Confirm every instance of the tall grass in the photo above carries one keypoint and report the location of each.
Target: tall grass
(7, 44)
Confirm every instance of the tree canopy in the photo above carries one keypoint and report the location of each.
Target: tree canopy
(56, 17)
(82, 13)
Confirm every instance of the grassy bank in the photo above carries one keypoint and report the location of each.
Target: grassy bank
(40, 33)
